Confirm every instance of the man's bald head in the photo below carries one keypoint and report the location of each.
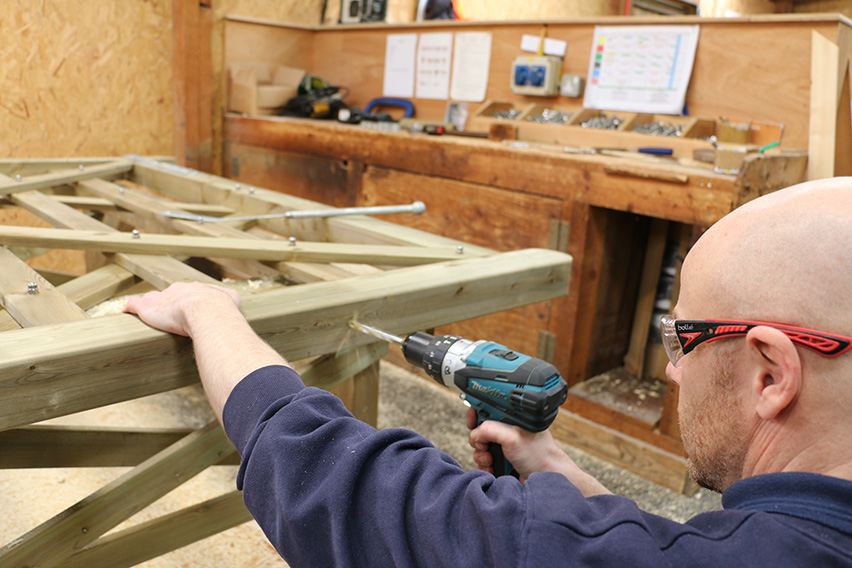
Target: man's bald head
(785, 257)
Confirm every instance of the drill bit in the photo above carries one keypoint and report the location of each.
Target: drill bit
(383, 335)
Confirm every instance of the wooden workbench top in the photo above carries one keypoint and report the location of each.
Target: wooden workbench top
(639, 184)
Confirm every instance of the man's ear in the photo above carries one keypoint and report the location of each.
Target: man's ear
(777, 370)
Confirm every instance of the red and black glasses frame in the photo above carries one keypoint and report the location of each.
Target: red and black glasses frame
(682, 336)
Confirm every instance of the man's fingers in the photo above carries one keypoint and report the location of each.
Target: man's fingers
(471, 419)
(496, 432)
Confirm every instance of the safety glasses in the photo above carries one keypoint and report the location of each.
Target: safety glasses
(682, 336)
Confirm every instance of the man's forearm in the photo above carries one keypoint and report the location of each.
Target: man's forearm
(226, 348)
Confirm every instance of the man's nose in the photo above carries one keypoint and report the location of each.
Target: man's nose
(673, 373)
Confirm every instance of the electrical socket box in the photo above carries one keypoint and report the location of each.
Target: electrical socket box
(536, 75)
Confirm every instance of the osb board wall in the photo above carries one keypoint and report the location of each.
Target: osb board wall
(85, 78)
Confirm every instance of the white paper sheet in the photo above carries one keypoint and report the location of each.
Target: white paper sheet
(640, 68)
(434, 56)
(552, 46)
(400, 51)
(471, 59)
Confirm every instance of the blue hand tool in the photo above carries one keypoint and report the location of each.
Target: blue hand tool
(498, 383)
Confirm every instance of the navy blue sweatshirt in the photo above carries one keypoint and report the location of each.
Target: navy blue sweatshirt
(329, 490)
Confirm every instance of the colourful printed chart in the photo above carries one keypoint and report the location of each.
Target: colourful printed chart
(641, 68)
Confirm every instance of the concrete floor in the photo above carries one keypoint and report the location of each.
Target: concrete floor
(29, 497)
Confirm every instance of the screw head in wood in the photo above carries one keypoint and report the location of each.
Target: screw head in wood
(460, 250)
(81, 167)
(237, 186)
(134, 234)
(32, 287)
(292, 241)
(18, 177)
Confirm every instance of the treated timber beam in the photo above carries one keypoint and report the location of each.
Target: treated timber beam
(62, 177)
(105, 205)
(158, 536)
(159, 271)
(60, 369)
(33, 166)
(97, 286)
(45, 446)
(140, 201)
(253, 249)
(49, 446)
(32, 307)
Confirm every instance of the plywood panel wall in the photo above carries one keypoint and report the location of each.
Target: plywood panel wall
(82, 77)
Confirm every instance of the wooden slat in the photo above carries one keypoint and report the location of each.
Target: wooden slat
(139, 200)
(105, 205)
(41, 181)
(159, 244)
(75, 446)
(635, 357)
(361, 394)
(115, 358)
(159, 271)
(50, 543)
(158, 536)
(86, 446)
(34, 166)
(98, 285)
(43, 306)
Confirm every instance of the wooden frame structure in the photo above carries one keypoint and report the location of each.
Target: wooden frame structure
(56, 360)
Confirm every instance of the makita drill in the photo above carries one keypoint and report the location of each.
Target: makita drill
(499, 384)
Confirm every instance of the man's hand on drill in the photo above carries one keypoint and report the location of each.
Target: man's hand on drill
(528, 452)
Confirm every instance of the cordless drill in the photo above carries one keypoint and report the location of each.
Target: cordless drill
(499, 384)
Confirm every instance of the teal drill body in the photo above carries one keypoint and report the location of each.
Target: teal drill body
(498, 383)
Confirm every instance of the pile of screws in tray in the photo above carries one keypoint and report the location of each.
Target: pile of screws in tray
(507, 114)
(659, 128)
(603, 121)
(551, 116)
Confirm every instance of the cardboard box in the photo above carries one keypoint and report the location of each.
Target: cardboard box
(255, 88)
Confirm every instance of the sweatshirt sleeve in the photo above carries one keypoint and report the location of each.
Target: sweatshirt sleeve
(330, 490)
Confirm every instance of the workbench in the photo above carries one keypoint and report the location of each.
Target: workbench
(57, 359)
(621, 217)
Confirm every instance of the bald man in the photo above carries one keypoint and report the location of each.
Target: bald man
(758, 342)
